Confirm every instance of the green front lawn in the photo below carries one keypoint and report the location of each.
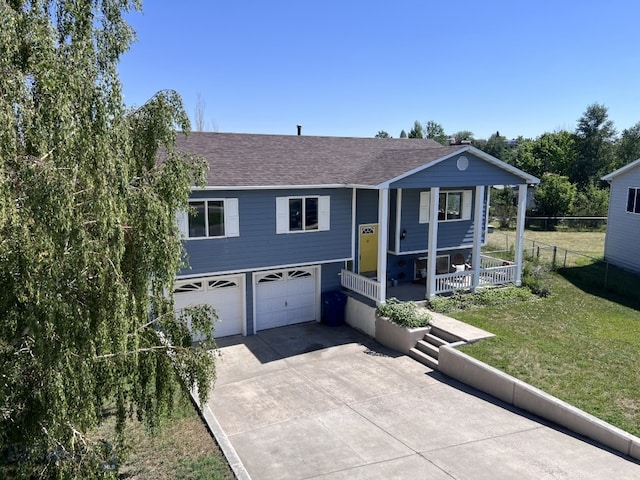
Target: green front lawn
(578, 346)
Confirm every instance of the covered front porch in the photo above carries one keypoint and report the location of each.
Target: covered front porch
(438, 270)
(493, 272)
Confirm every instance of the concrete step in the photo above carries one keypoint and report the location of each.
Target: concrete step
(423, 358)
(434, 340)
(428, 348)
(444, 335)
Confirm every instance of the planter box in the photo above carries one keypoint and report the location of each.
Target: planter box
(398, 338)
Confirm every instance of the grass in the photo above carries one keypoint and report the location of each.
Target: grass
(579, 344)
(589, 243)
(181, 449)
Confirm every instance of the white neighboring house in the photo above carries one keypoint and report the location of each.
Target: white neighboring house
(622, 244)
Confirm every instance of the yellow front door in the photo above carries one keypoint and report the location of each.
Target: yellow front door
(368, 248)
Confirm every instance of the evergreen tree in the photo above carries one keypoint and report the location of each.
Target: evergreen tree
(416, 131)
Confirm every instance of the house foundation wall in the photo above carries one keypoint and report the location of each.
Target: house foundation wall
(361, 316)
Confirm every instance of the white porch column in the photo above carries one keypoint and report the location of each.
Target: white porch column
(383, 241)
(433, 243)
(522, 211)
(477, 237)
(354, 229)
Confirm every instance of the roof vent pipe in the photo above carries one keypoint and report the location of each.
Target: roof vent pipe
(299, 129)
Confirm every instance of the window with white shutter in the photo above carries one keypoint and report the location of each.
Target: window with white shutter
(210, 218)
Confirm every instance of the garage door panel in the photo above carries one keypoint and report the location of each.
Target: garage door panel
(286, 297)
(224, 294)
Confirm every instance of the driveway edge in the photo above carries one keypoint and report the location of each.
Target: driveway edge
(223, 441)
(515, 392)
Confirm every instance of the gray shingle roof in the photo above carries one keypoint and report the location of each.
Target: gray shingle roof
(239, 160)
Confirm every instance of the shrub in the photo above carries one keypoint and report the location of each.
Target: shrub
(533, 277)
(405, 314)
(487, 297)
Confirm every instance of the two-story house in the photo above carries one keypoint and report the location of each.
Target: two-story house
(283, 219)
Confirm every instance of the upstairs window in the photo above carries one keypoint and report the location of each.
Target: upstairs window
(633, 200)
(206, 219)
(452, 206)
(302, 214)
(215, 218)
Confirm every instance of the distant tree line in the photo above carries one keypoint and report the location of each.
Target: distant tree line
(569, 164)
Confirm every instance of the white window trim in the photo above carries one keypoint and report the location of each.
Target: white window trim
(231, 219)
(626, 208)
(467, 202)
(282, 213)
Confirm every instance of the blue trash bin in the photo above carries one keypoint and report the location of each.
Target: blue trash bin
(333, 308)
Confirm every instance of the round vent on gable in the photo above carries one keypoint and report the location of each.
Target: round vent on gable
(463, 163)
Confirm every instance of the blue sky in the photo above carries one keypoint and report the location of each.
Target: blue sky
(351, 68)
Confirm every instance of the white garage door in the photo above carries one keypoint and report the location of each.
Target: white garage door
(286, 297)
(225, 294)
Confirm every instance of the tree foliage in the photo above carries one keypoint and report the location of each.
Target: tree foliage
(595, 136)
(503, 204)
(436, 132)
(463, 135)
(549, 153)
(555, 195)
(628, 148)
(416, 131)
(591, 201)
(495, 146)
(89, 245)
(382, 134)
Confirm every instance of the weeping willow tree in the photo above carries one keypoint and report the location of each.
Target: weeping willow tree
(89, 246)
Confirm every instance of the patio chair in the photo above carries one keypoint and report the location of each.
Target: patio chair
(459, 264)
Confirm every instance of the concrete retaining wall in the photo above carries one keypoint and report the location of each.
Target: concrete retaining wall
(490, 380)
(361, 316)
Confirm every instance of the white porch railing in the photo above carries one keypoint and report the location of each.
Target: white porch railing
(491, 262)
(359, 284)
(498, 275)
(450, 282)
(493, 271)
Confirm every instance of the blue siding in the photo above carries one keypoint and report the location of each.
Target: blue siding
(258, 245)
(366, 207)
(331, 276)
(446, 174)
(393, 202)
(623, 228)
(450, 234)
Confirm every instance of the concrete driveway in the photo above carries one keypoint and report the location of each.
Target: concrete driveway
(312, 401)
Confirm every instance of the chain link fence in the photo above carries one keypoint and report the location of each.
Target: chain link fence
(585, 269)
(553, 255)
